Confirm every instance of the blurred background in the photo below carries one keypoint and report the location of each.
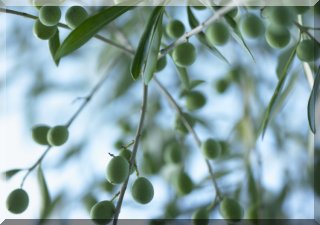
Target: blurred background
(35, 91)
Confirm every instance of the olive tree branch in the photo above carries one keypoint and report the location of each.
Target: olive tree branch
(134, 152)
(71, 120)
(62, 25)
(175, 105)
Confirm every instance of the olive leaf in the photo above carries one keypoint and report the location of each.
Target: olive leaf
(237, 34)
(276, 93)
(184, 77)
(88, 28)
(202, 37)
(54, 44)
(152, 57)
(145, 41)
(46, 199)
(313, 101)
(10, 173)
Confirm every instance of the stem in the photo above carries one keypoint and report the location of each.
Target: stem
(71, 120)
(133, 155)
(175, 105)
(304, 29)
(62, 25)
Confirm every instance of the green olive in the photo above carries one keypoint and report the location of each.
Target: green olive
(58, 135)
(199, 7)
(252, 213)
(17, 201)
(280, 15)
(211, 148)
(230, 209)
(173, 153)
(37, 4)
(184, 55)
(195, 100)
(307, 51)
(50, 15)
(142, 190)
(43, 32)
(251, 26)
(39, 134)
(218, 33)
(183, 183)
(75, 15)
(126, 153)
(200, 217)
(175, 29)
(117, 170)
(161, 64)
(232, 13)
(102, 212)
(222, 85)
(277, 37)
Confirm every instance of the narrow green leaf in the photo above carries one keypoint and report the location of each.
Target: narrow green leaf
(202, 37)
(196, 83)
(45, 195)
(87, 29)
(140, 56)
(237, 34)
(184, 77)
(10, 173)
(313, 101)
(55, 202)
(54, 44)
(282, 60)
(276, 93)
(153, 52)
(252, 187)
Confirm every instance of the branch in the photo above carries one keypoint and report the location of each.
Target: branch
(133, 155)
(71, 120)
(62, 25)
(184, 38)
(175, 105)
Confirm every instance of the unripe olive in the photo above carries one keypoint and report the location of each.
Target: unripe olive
(43, 32)
(39, 134)
(211, 148)
(175, 29)
(142, 190)
(277, 37)
(107, 186)
(161, 64)
(58, 135)
(301, 9)
(117, 170)
(200, 217)
(280, 15)
(173, 154)
(230, 209)
(218, 33)
(184, 55)
(195, 100)
(183, 183)
(179, 125)
(251, 26)
(37, 4)
(171, 210)
(102, 212)
(50, 15)
(75, 15)
(17, 201)
(307, 51)
(222, 85)
(233, 12)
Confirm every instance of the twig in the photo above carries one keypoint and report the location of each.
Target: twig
(305, 30)
(62, 25)
(175, 105)
(134, 152)
(71, 120)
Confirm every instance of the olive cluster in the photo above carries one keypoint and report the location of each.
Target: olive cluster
(49, 16)
(117, 172)
(46, 135)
